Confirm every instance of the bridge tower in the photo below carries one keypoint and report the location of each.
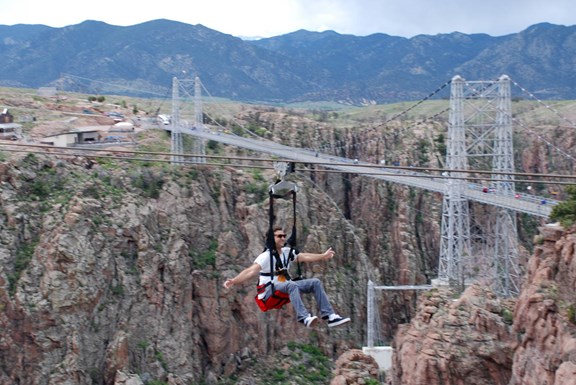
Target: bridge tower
(479, 138)
(198, 147)
(507, 273)
(175, 126)
(455, 248)
(177, 147)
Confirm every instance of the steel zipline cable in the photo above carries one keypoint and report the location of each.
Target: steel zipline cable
(411, 172)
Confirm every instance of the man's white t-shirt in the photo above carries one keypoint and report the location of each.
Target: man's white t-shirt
(264, 261)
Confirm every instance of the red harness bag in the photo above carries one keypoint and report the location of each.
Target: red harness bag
(275, 301)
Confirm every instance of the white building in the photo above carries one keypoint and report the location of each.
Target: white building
(67, 139)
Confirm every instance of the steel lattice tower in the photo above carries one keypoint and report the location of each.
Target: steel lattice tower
(505, 242)
(176, 132)
(455, 236)
(199, 147)
(177, 123)
(479, 138)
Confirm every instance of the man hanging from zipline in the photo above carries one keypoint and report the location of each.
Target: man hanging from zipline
(275, 287)
(277, 292)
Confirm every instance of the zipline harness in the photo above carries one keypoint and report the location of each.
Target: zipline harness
(281, 189)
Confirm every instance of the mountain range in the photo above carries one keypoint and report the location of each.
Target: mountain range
(142, 60)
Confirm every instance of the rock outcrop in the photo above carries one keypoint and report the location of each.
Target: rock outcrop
(545, 315)
(456, 341)
(482, 340)
(354, 367)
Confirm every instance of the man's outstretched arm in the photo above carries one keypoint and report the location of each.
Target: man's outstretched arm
(249, 272)
(312, 257)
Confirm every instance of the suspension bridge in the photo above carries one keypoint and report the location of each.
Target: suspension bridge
(480, 127)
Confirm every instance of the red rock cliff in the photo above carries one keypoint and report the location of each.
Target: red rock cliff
(482, 340)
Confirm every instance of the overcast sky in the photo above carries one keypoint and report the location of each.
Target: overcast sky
(265, 18)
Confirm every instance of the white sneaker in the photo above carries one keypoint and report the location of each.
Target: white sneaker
(335, 320)
(310, 321)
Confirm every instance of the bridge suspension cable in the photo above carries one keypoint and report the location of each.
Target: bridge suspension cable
(555, 112)
(224, 113)
(123, 87)
(470, 94)
(429, 96)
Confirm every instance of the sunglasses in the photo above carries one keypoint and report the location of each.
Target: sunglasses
(280, 235)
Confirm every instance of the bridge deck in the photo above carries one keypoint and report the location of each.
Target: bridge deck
(525, 203)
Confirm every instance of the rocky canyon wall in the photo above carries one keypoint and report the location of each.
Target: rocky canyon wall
(479, 339)
(110, 268)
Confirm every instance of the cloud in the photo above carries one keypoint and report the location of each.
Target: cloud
(269, 18)
(412, 17)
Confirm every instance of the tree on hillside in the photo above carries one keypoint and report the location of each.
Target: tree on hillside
(565, 212)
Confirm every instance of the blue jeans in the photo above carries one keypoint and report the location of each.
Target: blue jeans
(310, 285)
